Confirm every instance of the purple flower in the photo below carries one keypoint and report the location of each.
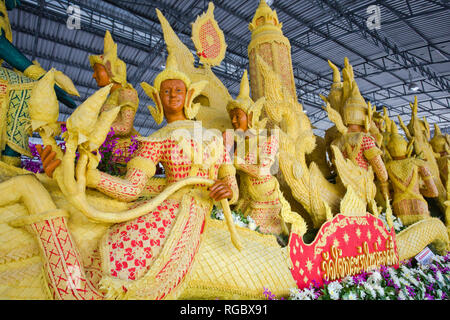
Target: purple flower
(410, 291)
(428, 297)
(268, 294)
(360, 278)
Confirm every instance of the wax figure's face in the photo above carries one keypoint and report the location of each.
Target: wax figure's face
(101, 75)
(239, 119)
(355, 128)
(173, 95)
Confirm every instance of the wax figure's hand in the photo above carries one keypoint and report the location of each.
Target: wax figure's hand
(220, 190)
(49, 163)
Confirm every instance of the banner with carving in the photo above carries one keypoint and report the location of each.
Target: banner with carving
(345, 245)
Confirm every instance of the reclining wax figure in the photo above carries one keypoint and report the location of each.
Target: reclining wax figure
(180, 218)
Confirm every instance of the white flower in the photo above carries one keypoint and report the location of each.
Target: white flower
(348, 281)
(394, 277)
(439, 277)
(295, 294)
(362, 294)
(219, 214)
(351, 296)
(368, 287)
(401, 296)
(334, 288)
(305, 294)
(251, 223)
(430, 278)
(374, 278)
(380, 290)
(404, 282)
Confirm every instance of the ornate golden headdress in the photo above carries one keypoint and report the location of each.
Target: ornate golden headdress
(439, 142)
(355, 109)
(171, 72)
(246, 104)
(116, 68)
(397, 145)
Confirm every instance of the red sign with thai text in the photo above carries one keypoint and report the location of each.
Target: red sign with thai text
(345, 245)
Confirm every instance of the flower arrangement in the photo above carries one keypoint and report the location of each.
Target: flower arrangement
(113, 159)
(411, 281)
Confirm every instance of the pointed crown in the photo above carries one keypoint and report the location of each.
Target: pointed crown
(246, 104)
(397, 145)
(171, 72)
(243, 100)
(115, 67)
(439, 142)
(355, 109)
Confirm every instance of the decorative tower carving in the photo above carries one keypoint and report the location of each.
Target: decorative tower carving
(269, 42)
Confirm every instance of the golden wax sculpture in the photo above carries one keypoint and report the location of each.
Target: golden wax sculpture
(405, 172)
(122, 95)
(261, 198)
(5, 26)
(214, 96)
(307, 185)
(208, 38)
(273, 47)
(420, 131)
(356, 154)
(441, 147)
(37, 212)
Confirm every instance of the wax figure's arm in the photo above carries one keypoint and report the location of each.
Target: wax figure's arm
(430, 190)
(373, 154)
(128, 100)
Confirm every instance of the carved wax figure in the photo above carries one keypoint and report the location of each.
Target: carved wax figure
(441, 148)
(108, 68)
(357, 144)
(261, 198)
(150, 256)
(405, 172)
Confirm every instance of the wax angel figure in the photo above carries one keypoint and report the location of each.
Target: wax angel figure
(261, 198)
(108, 68)
(162, 247)
(353, 118)
(173, 93)
(405, 172)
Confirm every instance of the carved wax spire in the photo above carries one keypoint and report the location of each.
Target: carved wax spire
(273, 47)
(264, 16)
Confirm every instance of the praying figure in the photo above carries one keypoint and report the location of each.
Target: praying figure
(254, 155)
